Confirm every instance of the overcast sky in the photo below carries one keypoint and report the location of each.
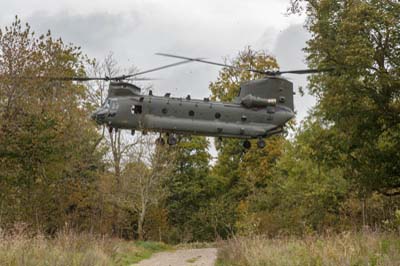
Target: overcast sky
(136, 29)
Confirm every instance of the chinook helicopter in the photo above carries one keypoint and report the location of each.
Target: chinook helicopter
(261, 109)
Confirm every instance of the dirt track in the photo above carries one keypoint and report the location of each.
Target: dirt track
(184, 257)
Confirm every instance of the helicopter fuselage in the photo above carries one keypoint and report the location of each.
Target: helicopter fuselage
(192, 116)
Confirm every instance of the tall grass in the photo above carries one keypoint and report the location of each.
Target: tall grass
(70, 249)
(353, 249)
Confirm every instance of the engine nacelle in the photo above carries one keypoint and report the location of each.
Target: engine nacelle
(250, 101)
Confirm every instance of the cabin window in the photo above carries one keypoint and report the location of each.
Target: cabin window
(191, 113)
(217, 115)
(164, 111)
(136, 109)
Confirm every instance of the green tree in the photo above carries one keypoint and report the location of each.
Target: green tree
(360, 98)
(48, 161)
(305, 194)
(190, 188)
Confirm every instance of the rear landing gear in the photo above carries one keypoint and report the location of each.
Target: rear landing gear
(171, 140)
(261, 143)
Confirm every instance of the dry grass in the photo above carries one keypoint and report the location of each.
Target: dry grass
(353, 249)
(70, 249)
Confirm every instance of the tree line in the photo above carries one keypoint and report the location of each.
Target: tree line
(339, 171)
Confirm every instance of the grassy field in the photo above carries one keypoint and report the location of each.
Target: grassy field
(69, 249)
(352, 249)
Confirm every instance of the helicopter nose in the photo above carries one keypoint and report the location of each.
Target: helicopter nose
(98, 116)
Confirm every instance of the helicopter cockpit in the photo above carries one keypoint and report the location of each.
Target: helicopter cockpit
(108, 108)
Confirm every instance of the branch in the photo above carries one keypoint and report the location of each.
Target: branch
(390, 192)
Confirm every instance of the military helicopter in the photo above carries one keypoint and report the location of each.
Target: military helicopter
(261, 109)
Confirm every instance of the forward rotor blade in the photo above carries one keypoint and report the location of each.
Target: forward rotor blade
(122, 77)
(61, 78)
(153, 69)
(76, 78)
(210, 62)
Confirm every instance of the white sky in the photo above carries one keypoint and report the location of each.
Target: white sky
(136, 29)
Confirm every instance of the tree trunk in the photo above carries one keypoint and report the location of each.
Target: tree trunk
(141, 221)
(364, 213)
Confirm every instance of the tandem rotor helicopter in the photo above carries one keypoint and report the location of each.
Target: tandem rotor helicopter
(261, 109)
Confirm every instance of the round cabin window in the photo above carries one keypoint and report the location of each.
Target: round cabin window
(191, 113)
(164, 111)
(217, 115)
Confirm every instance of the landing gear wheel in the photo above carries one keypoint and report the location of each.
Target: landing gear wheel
(172, 140)
(247, 144)
(160, 141)
(261, 143)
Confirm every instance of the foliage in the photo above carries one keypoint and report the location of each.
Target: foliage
(48, 160)
(359, 99)
(143, 178)
(190, 189)
(304, 194)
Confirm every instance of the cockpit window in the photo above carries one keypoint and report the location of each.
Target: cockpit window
(113, 105)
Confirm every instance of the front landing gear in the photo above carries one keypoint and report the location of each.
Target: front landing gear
(171, 140)
(247, 144)
(160, 141)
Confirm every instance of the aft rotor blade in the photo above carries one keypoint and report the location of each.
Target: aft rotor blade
(303, 71)
(141, 79)
(210, 62)
(268, 73)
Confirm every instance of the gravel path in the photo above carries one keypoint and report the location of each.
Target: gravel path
(183, 257)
